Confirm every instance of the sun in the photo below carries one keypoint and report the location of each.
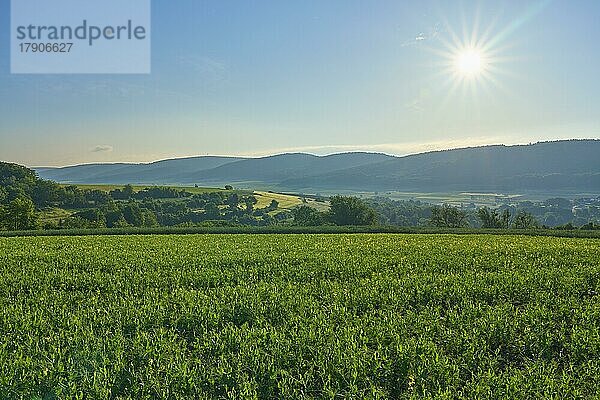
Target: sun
(469, 62)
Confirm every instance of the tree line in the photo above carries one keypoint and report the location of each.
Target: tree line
(24, 200)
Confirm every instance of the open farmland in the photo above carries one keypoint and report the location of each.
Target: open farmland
(287, 201)
(137, 188)
(299, 316)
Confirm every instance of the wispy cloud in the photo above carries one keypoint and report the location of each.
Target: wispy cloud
(415, 105)
(421, 37)
(113, 88)
(205, 69)
(400, 149)
(102, 149)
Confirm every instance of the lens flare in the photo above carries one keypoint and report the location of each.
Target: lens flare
(469, 62)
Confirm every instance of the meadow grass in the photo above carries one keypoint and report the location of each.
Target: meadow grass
(299, 316)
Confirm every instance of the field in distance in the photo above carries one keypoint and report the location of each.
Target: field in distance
(286, 201)
(137, 188)
(299, 316)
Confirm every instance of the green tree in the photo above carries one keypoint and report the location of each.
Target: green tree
(308, 216)
(525, 220)
(491, 219)
(94, 216)
(267, 220)
(232, 201)
(505, 219)
(211, 211)
(16, 179)
(447, 216)
(113, 214)
(133, 214)
(20, 214)
(250, 201)
(76, 222)
(3, 195)
(128, 192)
(46, 193)
(347, 210)
(121, 223)
(3, 218)
(97, 197)
(149, 218)
(274, 205)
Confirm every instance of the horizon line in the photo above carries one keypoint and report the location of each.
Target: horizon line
(299, 150)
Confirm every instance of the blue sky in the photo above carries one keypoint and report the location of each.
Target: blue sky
(263, 77)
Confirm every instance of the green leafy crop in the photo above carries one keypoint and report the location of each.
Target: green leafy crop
(361, 316)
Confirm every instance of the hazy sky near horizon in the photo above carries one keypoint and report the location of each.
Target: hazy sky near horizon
(263, 77)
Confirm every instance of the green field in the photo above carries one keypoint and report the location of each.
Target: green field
(137, 188)
(52, 214)
(287, 202)
(299, 316)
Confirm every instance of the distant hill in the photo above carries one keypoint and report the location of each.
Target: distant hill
(160, 172)
(212, 170)
(547, 166)
(275, 169)
(550, 166)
